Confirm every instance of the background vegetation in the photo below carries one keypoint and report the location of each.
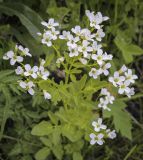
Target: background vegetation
(19, 22)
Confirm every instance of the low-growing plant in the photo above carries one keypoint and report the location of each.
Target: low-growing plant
(75, 79)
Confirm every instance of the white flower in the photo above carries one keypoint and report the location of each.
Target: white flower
(30, 84)
(31, 71)
(46, 39)
(42, 62)
(13, 58)
(104, 92)
(23, 84)
(123, 69)
(66, 35)
(111, 134)
(103, 104)
(77, 30)
(96, 46)
(110, 99)
(98, 125)
(95, 20)
(107, 56)
(106, 100)
(99, 57)
(85, 48)
(130, 77)
(117, 79)
(124, 87)
(104, 68)
(60, 60)
(42, 73)
(51, 23)
(94, 73)
(25, 51)
(73, 42)
(86, 35)
(131, 92)
(99, 15)
(19, 70)
(46, 94)
(54, 34)
(83, 61)
(73, 51)
(96, 139)
(27, 86)
(99, 34)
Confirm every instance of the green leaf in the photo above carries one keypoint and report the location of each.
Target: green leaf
(93, 86)
(42, 129)
(128, 50)
(56, 135)
(53, 117)
(71, 132)
(30, 19)
(77, 156)
(47, 142)
(73, 77)
(49, 58)
(5, 73)
(58, 151)
(54, 91)
(121, 118)
(42, 154)
(74, 147)
(15, 150)
(75, 70)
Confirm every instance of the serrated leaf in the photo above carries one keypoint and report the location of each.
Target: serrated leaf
(128, 50)
(121, 118)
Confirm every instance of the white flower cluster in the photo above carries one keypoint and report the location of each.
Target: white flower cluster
(96, 20)
(29, 74)
(50, 33)
(83, 44)
(16, 56)
(108, 99)
(123, 79)
(101, 132)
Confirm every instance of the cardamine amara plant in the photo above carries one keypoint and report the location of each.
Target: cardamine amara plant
(84, 94)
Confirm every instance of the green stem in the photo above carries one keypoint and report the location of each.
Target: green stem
(58, 53)
(68, 71)
(131, 152)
